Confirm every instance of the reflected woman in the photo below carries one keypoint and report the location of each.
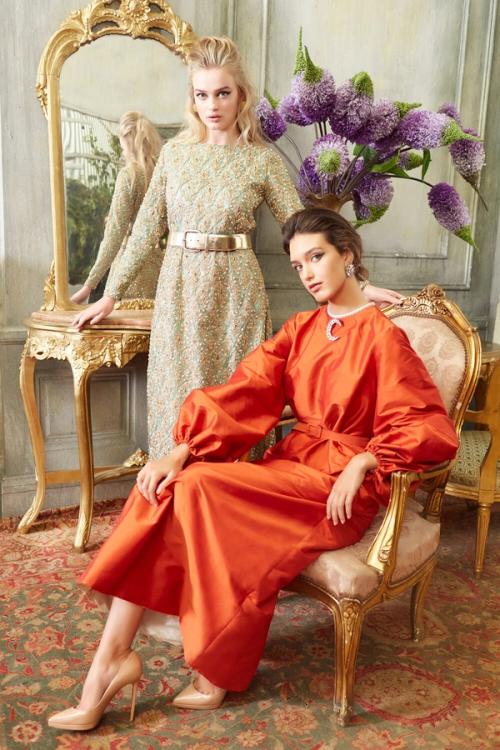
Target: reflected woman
(141, 145)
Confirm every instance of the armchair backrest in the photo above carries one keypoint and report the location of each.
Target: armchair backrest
(451, 351)
(446, 342)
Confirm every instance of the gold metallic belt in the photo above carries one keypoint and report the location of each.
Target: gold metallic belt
(317, 431)
(199, 241)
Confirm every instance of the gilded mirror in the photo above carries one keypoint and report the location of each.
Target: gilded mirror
(111, 57)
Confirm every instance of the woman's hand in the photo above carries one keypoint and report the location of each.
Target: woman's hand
(157, 475)
(382, 297)
(343, 492)
(81, 295)
(94, 313)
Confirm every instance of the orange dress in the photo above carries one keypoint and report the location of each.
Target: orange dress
(227, 535)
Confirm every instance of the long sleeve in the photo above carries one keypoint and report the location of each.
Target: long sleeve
(412, 430)
(279, 191)
(120, 215)
(224, 421)
(149, 227)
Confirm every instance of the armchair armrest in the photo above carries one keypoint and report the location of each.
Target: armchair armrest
(382, 552)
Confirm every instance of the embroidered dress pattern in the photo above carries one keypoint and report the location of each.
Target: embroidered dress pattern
(211, 308)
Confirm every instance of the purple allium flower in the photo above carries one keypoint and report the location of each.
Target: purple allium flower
(362, 212)
(365, 215)
(371, 198)
(272, 123)
(423, 129)
(410, 160)
(450, 211)
(387, 146)
(353, 105)
(314, 91)
(290, 110)
(374, 190)
(468, 156)
(383, 120)
(448, 108)
(309, 180)
(330, 154)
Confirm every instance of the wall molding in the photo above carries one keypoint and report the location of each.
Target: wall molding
(16, 494)
(12, 335)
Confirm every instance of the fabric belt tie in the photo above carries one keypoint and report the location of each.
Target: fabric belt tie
(317, 431)
(196, 241)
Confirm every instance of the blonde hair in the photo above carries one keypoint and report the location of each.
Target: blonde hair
(220, 52)
(144, 140)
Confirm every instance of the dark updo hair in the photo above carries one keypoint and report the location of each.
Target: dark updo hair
(336, 230)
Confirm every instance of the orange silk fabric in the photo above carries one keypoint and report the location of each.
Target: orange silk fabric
(228, 535)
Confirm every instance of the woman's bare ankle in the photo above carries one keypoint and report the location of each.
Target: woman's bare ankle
(102, 670)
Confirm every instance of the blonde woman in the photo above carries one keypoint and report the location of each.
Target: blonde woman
(211, 307)
(141, 145)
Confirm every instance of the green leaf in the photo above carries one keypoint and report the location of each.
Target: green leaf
(465, 234)
(399, 172)
(363, 84)
(300, 60)
(426, 162)
(368, 154)
(386, 165)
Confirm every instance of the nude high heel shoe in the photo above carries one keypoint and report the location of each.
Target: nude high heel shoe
(192, 698)
(79, 720)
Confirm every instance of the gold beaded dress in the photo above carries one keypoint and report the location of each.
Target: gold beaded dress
(130, 188)
(211, 308)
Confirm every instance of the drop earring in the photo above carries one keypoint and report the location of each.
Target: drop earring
(349, 270)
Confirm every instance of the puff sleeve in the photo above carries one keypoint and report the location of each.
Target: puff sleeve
(411, 430)
(222, 422)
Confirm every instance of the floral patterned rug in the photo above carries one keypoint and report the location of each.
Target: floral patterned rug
(438, 694)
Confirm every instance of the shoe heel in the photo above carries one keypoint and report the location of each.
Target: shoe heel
(132, 700)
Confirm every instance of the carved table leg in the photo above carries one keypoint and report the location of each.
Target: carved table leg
(85, 452)
(27, 384)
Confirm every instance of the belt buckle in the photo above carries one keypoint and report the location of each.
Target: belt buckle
(196, 232)
(314, 430)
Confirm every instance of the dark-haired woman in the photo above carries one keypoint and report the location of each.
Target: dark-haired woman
(214, 542)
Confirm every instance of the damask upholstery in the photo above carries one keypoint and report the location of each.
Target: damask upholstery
(441, 350)
(345, 573)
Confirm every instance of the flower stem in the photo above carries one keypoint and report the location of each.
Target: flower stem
(415, 179)
(297, 150)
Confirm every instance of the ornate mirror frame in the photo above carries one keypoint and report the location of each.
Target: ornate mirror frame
(139, 19)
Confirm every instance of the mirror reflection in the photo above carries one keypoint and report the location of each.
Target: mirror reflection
(118, 105)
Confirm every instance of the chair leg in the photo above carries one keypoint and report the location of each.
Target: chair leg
(348, 624)
(483, 523)
(418, 593)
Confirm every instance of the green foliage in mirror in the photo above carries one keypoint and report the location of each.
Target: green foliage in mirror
(87, 206)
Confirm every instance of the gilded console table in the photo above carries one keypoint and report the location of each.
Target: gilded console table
(113, 342)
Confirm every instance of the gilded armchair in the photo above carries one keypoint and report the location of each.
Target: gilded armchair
(399, 552)
(475, 475)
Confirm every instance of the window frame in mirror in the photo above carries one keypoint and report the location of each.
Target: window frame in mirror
(139, 19)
